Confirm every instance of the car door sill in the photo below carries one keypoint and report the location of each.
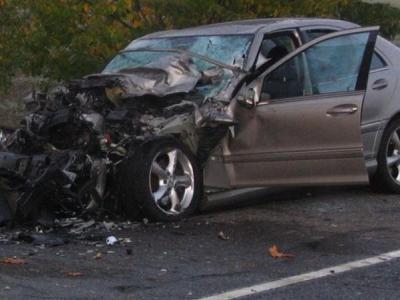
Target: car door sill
(220, 198)
(296, 155)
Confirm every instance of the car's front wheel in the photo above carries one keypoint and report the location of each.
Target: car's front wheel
(166, 182)
(387, 177)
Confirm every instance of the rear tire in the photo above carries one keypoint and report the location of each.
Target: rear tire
(163, 181)
(387, 176)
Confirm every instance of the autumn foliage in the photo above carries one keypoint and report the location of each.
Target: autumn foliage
(64, 39)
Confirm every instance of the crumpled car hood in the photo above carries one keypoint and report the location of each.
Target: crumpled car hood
(173, 74)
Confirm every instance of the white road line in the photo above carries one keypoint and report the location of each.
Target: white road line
(267, 286)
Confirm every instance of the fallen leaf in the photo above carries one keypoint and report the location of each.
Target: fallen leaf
(223, 236)
(98, 256)
(12, 261)
(275, 253)
(74, 274)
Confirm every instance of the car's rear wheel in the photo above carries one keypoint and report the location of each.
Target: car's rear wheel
(387, 177)
(166, 182)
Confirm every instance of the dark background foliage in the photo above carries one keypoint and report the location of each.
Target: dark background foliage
(64, 39)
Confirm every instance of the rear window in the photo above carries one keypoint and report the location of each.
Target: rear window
(377, 62)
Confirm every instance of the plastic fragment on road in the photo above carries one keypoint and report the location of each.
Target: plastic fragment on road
(276, 253)
(223, 236)
(111, 240)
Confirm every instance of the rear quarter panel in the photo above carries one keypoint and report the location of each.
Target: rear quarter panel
(381, 106)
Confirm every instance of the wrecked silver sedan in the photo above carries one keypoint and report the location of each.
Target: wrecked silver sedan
(180, 116)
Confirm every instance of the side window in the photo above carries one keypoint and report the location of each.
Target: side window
(329, 69)
(287, 81)
(377, 62)
(276, 46)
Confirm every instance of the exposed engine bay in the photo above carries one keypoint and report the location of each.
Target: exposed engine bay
(67, 155)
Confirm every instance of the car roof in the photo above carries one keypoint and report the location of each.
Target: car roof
(249, 26)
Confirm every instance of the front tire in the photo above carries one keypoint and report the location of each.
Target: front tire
(387, 177)
(165, 182)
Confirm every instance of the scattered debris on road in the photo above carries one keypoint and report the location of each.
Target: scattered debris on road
(61, 234)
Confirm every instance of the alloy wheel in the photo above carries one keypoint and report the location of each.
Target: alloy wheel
(172, 181)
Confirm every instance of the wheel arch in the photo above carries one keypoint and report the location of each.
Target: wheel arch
(176, 137)
(371, 161)
(382, 178)
(385, 126)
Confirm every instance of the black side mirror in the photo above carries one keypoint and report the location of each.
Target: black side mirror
(249, 99)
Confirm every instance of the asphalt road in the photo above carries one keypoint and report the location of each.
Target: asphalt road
(322, 227)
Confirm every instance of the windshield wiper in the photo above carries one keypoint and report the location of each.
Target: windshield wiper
(210, 60)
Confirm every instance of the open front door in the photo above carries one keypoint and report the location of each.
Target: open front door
(305, 126)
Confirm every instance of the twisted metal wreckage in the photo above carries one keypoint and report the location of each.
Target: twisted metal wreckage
(68, 156)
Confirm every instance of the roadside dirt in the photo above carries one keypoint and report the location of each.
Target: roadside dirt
(11, 103)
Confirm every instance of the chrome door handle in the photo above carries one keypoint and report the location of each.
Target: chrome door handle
(380, 84)
(344, 109)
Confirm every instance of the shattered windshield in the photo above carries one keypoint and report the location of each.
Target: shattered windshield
(231, 50)
(228, 49)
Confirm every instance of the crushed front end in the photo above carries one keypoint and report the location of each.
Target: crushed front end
(68, 153)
